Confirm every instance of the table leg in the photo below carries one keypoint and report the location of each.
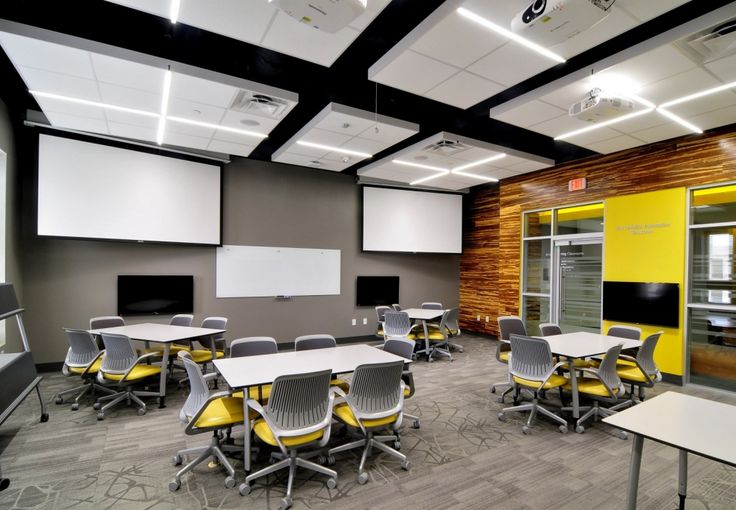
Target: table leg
(426, 339)
(246, 436)
(682, 489)
(164, 376)
(147, 346)
(574, 383)
(634, 468)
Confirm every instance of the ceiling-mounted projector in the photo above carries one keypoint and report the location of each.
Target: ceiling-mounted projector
(551, 22)
(597, 107)
(327, 15)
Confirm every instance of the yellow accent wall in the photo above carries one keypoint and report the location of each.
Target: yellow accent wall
(645, 242)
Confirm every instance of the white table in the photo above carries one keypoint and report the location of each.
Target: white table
(584, 345)
(245, 372)
(691, 424)
(164, 334)
(424, 315)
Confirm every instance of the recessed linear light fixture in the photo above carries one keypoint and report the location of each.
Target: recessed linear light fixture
(218, 127)
(599, 125)
(334, 149)
(478, 163)
(174, 11)
(164, 108)
(87, 102)
(457, 170)
(510, 35)
(420, 165)
(679, 120)
(698, 95)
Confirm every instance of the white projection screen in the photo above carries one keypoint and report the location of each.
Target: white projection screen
(94, 191)
(411, 221)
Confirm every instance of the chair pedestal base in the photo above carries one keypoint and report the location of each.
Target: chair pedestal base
(216, 450)
(368, 443)
(534, 408)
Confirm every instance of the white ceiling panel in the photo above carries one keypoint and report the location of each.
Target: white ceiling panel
(555, 127)
(415, 73)
(237, 149)
(705, 104)
(241, 120)
(64, 107)
(191, 130)
(63, 84)
(132, 119)
(198, 90)
(132, 132)
(345, 124)
(526, 166)
(618, 143)
(715, 118)
(390, 134)
(463, 90)
(531, 113)
(646, 121)
(654, 65)
(724, 68)
(678, 85)
(663, 132)
(646, 10)
(196, 111)
(182, 140)
(246, 21)
(77, 123)
(24, 51)
(129, 74)
(508, 66)
(130, 98)
(597, 135)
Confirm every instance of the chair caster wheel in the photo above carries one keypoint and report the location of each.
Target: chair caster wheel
(100, 416)
(563, 429)
(623, 435)
(502, 417)
(44, 417)
(285, 503)
(579, 429)
(75, 406)
(415, 425)
(331, 483)
(177, 460)
(526, 430)
(96, 406)
(244, 489)
(141, 411)
(363, 478)
(174, 485)
(322, 460)
(4, 483)
(229, 482)
(330, 460)
(406, 465)
(500, 400)
(493, 389)
(397, 445)
(59, 400)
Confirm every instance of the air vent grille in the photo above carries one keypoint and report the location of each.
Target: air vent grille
(711, 44)
(259, 104)
(446, 147)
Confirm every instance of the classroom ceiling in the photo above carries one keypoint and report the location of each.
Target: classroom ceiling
(401, 77)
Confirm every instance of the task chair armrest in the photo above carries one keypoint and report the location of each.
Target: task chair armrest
(89, 365)
(190, 427)
(594, 373)
(137, 362)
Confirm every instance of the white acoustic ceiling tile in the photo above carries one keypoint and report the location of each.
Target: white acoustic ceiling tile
(246, 21)
(373, 9)
(67, 108)
(724, 68)
(531, 113)
(364, 145)
(645, 10)
(500, 12)
(189, 129)
(596, 135)
(414, 73)
(715, 118)
(475, 154)
(387, 134)
(663, 132)
(238, 149)
(195, 111)
(457, 41)
(130, 98)
(181, 140)
(565, 97)
(653, 66)
(323, 137)
(646, 121)
(67, 121)
(510, 65)
(306, 161)
(345, 124)
(559, 125)
(523, 167)
(463, 90)
(132, 119)
(453, 182)
(678, 85)
(241, 120)
(705, 104)
(287, 35)
(24, 51)
(133, 132)
(616, 144)
(128, 74)
(62, 84)
(238, 138)
(617, 22)
(496, 173)
(202, 91)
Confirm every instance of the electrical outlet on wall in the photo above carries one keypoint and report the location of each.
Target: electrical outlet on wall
(478, 318)
(355, 321)
(365, 321)
(487, 318)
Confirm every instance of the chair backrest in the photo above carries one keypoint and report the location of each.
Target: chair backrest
(532, 358)
(108, 321)
(400, 347)
(182, 319)
(309, 342)
(607, 369)
(510, 325)
(452, 321)
(549, 329)
(645, 356)
(198, 390)
(380, 311)
(629, 332)
(215, 323)
(432, 306)
(396, 307)
(396, 324)
(83, 348)
(253, 346)
(376, 387)
(299, 401)
(119, 354)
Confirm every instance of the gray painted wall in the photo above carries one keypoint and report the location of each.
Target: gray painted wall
(66, 282)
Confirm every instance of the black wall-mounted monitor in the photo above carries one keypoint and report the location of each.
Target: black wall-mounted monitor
(655, 304)
(377, 290)
(155, 294)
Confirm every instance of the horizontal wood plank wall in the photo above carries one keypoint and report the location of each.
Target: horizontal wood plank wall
(490, 264)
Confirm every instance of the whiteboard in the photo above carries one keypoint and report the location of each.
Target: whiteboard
(262, 271)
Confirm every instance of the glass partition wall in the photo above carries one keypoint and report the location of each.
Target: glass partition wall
(562, 268)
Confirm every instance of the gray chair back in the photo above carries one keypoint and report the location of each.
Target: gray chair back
(400, 347)
(549, 329)
(510, 325)
(607, 369)
(376, 387)
(198, 390)
(452, 321)
(645, 356)
(299, 401)
(396, 307)
(108, 321)
(629, 332)
(82, 348)
(432, 306)
(253, 346)
(380, 311)
(396, 324)
(119, 354)
(215, 323)
(182, 319)
(532, 358)
(309, 342)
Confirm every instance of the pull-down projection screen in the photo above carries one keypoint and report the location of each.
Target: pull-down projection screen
(411, 221)
(88, 190)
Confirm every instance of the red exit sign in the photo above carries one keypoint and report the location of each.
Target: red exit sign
(577, 184)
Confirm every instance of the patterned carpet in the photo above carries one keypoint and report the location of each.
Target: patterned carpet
(463, 457)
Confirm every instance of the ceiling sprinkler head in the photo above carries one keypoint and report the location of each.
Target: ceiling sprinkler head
(345, 159)
(345, 125)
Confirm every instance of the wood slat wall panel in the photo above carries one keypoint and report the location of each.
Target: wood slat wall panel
(490, 264)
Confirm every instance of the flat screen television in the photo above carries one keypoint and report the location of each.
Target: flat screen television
(155, 294)
(655, 304)
(377, 290)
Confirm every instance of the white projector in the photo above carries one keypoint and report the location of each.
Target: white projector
(598, 107)
(551, 22)
(327, 15)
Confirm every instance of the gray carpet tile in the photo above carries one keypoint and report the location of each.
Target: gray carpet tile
(462, 457)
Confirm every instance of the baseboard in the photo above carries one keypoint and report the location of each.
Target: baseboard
(49, 367)
(673, 379)
(289, 346)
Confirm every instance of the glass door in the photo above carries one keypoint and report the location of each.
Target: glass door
(579, 265)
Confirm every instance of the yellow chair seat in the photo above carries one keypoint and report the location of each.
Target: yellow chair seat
(504, 356)
(263, 431)
(222, 412)
(591, 387)
(434, 334)
(581, 363)
(139, 372)
(555, 381)
(379, 332)
(173, 349)
(203, 355)
(340, 383)
(92, 370)
(631, 374)
(407, 391)
(345, 415)
(253, 393)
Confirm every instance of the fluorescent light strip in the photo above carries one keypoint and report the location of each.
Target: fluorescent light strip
(334, 149)
(92, 103)
(419, 165)
(174, 10)
(164, 108)
(698, 95)
(509, 34)
(478, 163)
(425, 179)
(603, 124)
(680, 120)
(182, 120)
(475, 176)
